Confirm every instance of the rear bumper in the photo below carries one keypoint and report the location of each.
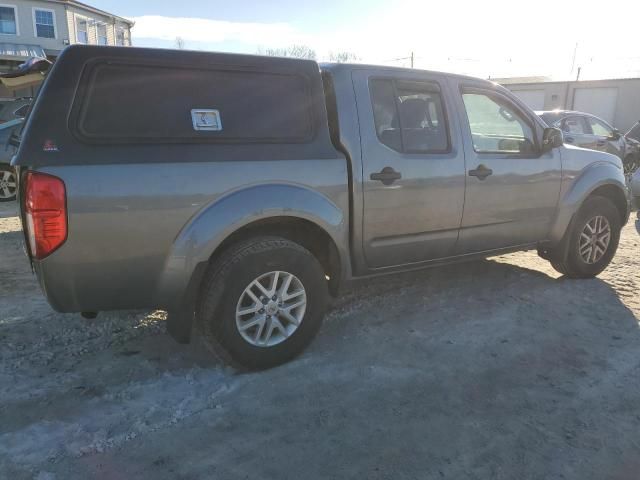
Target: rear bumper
(69, 289)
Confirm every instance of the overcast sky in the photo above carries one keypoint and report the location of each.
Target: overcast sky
(484, 38)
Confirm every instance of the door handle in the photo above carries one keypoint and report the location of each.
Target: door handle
(387, 176)
(568, 139)
(481, 172)
(601, 143)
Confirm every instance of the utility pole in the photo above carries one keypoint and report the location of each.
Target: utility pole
(411, 59)
(573, 61)
(578, 75)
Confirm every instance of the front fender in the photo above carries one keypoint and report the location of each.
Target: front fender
(580, 185)
(204, 233)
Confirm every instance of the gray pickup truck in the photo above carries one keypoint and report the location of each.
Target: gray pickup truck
(239, 192)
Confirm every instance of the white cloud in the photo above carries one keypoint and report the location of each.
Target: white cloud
(491, 37)
(204, 30)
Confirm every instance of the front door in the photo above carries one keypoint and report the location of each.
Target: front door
(512, 190)
(606, 140)
(413, 168)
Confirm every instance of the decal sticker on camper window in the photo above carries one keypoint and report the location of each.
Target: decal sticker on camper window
(206, 119)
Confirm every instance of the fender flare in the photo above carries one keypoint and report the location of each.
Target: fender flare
(198, 240)
(596, 175)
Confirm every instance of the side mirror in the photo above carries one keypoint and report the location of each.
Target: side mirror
(551, 138)
(615, 135)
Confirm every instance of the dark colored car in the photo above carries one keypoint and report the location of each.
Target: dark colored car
(12, 115)
(588, 131)
(13, 108)
(633, 139)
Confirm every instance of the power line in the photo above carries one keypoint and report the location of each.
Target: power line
(410, 57)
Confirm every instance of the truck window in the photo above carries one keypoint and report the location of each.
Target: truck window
(496, 126)
(409, 116)
(600, 128)
(137, 103)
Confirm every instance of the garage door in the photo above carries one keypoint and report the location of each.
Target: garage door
(600, 102)
(534, 99)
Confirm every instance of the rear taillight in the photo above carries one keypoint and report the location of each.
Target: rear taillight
(45, 207)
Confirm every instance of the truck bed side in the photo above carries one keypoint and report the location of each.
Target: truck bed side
(139, 179)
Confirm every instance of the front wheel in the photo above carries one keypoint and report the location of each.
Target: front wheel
(592, 240)
(8, 183)
(262, 303)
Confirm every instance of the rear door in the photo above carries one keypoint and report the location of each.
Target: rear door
(413, 167)
(512, 189)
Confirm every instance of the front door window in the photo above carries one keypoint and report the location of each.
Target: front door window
(496, 127)
(600, 128)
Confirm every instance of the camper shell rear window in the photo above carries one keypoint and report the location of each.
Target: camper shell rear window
(120, 102)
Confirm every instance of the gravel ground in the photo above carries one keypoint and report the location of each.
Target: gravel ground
(496, 369)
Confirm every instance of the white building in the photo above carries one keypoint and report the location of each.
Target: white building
(30, 28)
(616, 101)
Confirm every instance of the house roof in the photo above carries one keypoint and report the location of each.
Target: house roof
(20, 51)
(89, 8)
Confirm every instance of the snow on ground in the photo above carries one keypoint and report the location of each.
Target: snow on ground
(495, 369)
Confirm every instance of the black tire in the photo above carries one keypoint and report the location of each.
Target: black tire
(7, 190)
(573, 265)
(225, 282)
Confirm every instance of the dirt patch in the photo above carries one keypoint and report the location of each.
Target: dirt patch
(496, 369)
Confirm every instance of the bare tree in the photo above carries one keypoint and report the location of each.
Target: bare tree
(295, 51)
(179, 43)
(343, 57)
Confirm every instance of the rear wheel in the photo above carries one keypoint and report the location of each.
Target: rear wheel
(592, 240)
(8, 183)
(262, 303)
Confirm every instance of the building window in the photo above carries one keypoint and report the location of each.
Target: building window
(82, 32)
(120, 37)
(101, 29)
(8, 24)
(45, 23)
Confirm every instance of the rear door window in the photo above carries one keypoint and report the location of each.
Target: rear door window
(409, 116)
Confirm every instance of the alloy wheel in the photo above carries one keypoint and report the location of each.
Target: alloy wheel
(271, 309)
(594, 239)
(8, 184)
